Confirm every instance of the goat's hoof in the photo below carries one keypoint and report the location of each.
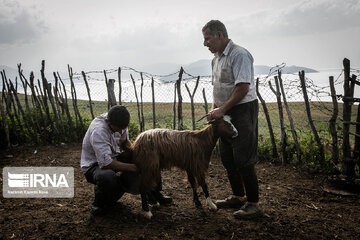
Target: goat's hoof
(148, 215)
(212, 206)
(155, 205)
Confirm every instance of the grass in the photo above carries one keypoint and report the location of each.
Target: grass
(321, 113)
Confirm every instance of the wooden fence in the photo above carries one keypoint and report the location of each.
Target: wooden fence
(46, 109)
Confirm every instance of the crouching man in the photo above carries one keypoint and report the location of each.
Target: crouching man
(99, 164)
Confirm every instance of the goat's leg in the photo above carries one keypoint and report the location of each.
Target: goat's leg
(145, 205)
(209, 202)
(193, 186)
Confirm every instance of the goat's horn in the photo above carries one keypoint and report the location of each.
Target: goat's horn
(211, 121)
(202, 117)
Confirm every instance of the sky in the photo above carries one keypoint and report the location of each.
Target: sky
(97, 35)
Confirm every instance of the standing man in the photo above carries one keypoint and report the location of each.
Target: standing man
(99, 165)
(234, 94)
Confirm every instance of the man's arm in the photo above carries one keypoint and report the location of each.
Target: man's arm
(101, 145)
(240, 91)
(120, 166)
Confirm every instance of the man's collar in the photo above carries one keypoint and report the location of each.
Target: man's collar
(226, 50)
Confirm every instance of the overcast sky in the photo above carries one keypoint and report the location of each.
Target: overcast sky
(96, 35)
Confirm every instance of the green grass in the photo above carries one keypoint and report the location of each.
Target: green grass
(321, 113)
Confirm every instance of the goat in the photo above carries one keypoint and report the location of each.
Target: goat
(158, 149)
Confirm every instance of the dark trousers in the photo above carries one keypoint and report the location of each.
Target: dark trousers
(109, 187)
(240, 155)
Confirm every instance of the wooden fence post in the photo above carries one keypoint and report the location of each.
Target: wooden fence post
(332, 122)
(106, 84)
(72, 131)
(25, 85)
(205, 102)
(4, 121)
(21, 112)
(174, 107)
(34, 97)
(32, 124)
(111, 92)
(283, 139)
(6, 96)
(51, 99)
(153, 102)
(10, 102)
(56, 95)
(137, 104)
(192, 101)
(44, 95)
(74, 98)
(356, 154)
(266, 112)
(120, 89)
(141, 101)
(348, 162)
(293, 131)
(41, 96)
(178, 86)
(89, 95)
(308, 112)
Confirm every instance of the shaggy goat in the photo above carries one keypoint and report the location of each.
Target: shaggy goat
(158, 149)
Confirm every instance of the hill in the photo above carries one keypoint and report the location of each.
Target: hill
(198, 68)
(203, 68)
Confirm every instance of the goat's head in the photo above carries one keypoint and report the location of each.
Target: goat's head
(126, 156)
(224, 127)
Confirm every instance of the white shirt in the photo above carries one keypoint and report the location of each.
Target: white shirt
(235, 65)
(99, 143)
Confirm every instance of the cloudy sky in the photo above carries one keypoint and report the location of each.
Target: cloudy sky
(96, 35)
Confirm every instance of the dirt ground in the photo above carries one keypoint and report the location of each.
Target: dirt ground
(293, 200)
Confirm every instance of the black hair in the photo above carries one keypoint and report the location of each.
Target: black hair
(119, 116)
(215, 26)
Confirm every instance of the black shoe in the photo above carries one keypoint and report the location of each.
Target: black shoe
(162, 199)
(152, 200)
(165, 200)
(97, 211)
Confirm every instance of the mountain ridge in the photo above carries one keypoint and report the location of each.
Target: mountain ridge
(200, 67)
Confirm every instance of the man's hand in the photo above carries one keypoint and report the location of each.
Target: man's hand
(216, 113)
(237, 95)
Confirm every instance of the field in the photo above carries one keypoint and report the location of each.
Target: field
(321, 113)
(294, 202)
(164, 113)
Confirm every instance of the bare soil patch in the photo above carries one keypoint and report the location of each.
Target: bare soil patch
(293, 200)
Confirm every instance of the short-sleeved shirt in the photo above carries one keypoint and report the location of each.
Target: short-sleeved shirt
(235, 65)
(99, 143)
